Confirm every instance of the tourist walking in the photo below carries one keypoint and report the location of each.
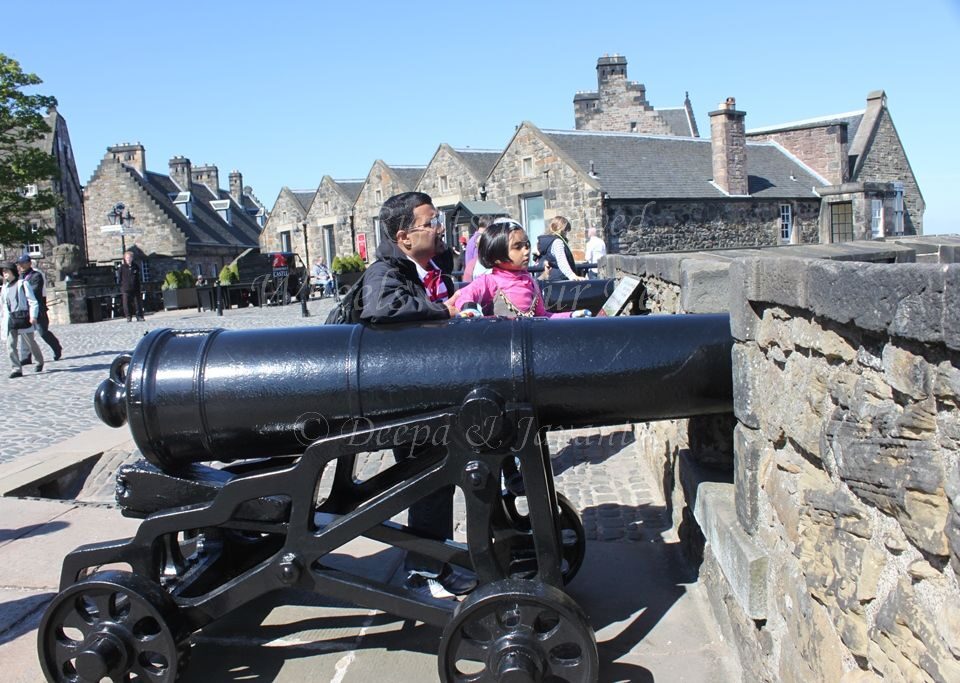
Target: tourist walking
(38, 282)
(19, 311)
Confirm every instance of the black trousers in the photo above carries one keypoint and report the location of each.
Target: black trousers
(430, 517)
(132, 304)
(43, 331)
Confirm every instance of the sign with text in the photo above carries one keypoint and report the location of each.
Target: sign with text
(362, 245)
(617, 301)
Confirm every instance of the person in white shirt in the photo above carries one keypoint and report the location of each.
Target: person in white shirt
(595, 251)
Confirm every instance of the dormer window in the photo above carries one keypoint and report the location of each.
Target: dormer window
(184, 203)
(222, 207)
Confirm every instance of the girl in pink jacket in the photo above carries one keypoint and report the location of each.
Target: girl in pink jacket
(509, 290)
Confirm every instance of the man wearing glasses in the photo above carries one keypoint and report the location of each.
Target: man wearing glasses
(405, 285)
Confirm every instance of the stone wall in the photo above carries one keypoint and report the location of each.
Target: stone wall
(833, 555)
(886, 161)
(664, 225)
(330, 208)
(113, 183)
(461, 184)
(287, 215)
(822, 148)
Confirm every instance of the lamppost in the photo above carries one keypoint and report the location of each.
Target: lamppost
(117, 217)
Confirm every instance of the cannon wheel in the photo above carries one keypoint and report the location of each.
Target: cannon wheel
(516, 630)
(573, 538)
(112, 625)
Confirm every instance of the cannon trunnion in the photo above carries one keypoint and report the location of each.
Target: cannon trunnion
(285, 406)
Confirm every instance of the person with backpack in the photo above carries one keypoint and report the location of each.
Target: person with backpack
(19, 311)
(405, 285)
(38, 282)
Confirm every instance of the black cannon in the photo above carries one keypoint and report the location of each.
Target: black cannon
(281, 405)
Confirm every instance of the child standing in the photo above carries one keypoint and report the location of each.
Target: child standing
(17, 295)
(509, 290)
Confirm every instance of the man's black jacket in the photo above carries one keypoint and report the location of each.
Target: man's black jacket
(393, 292)
(130, 277)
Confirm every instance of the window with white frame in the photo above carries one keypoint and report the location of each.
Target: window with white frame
(526, 167)
(378, 196)
(898, 208)
(444, 184)
(35, 249)
(376, 233)
(30, 191)
(786, 223)
(285, 241)
(876, 217)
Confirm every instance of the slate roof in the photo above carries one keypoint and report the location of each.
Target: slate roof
(206, 228)
(304, 198)
(632, 166)
(409, 175)
(479, 161)
(852, 119)
(676, 119)
(351, 188)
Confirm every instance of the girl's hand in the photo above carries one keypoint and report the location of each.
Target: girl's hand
(581, 313)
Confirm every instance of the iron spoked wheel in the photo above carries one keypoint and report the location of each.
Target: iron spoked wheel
(113, 625)
(573, 538)
(515, 631)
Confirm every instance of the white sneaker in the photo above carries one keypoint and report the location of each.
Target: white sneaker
(427, 586)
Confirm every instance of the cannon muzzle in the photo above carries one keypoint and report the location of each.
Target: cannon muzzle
(195, 396)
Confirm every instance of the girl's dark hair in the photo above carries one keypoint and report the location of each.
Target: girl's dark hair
(495, 242)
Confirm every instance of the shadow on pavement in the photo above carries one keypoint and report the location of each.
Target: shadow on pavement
(32, 530)
(30, 606)
(590, 448)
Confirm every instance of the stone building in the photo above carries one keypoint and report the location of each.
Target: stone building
(871, 190)
(382, 181)
(65, 220)
(285, 229)
(183, 220)
(456, 175)
(621, 105)
(658, 193)
(330, 218)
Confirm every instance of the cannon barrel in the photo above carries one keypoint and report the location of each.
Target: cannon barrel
(192, 396)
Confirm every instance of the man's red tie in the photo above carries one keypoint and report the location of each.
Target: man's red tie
(432, 283)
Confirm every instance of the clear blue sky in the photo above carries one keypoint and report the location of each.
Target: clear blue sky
(289, 91)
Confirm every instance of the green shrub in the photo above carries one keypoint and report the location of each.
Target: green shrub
(229, 274)
(348, 264)
(176, 279)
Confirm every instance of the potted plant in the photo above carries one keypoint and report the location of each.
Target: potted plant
(233, 296)
(347, 270)
(179, 290)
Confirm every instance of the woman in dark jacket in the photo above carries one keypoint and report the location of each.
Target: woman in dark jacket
(554, 253)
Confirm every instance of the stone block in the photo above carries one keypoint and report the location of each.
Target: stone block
(907, 373)
(748, 454)
(747, 367)
(950, 324)
(743, 561)
(704, 286)
(743, 318)
(777, 280)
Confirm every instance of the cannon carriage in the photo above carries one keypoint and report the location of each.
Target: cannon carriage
(238, 429)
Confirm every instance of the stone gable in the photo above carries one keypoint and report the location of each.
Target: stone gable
(822, 148)
(330, 215)
(287, 216)
(886, 161)
(381, 184)
(461, 184)
(566, 192)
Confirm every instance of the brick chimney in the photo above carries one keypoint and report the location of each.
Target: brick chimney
(134, 156)
(236, 186)
(208, 175)
(180, 172)
(729, 146)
